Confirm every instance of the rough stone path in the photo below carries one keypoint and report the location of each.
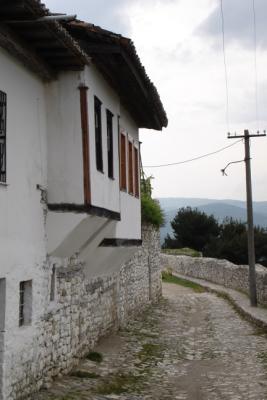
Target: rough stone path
(191, 346)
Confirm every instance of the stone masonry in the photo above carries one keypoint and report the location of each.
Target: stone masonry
(85, 312)
(221, 272)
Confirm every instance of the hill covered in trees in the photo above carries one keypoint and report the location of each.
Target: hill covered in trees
(220, 209)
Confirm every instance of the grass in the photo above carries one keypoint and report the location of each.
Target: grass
(94, 356)
(186, 251)
(169, 278)
(150, 350)
(84, 374)
(118, 384)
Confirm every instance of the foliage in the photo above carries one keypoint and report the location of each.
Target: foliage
(169, 278)
(84, 374)
(151, 211)
(94, 356)
(194, 229)
(184, 251)
(232, 243)
(228, 240)
(171, 243)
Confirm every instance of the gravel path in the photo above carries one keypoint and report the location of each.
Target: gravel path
(190, 346)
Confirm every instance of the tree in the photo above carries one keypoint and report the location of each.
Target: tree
(232, 243)
(151, 211)
(194, 229)
(170, 243)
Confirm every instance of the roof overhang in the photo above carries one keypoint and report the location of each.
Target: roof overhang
(116, 58)
(41, 43)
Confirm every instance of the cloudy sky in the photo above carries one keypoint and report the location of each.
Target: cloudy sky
(180, 44)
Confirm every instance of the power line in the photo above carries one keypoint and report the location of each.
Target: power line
(225, 69)
(255, 64)
(195, 158)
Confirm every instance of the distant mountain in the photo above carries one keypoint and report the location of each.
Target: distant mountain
(219, 208)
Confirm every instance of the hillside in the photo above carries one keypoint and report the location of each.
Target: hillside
(219, 208)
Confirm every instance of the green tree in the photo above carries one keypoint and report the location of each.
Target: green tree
(170, 243)
(151, 211)
(194, 229)
(232, 245)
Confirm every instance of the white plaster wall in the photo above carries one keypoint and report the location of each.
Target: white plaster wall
(22, 216)
(130, 225)
(65, 161)
(105, 191)
(65, 153)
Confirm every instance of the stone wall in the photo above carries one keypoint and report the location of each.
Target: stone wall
(83, 312)
(221, 272)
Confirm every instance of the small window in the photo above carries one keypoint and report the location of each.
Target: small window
(123, 183)
(98, 135)
(136, 172)
(2, 137)
(130, 167)
(2, 304)
(110, 144)
(25, 303)
(53, 284)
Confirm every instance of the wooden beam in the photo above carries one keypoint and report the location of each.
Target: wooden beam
(22, 51)
(134, 72)
(85, 144)
(93, 48)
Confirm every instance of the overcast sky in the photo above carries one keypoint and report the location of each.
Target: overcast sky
(180, 45)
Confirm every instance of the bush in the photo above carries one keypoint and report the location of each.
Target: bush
(151, 211)
(193, 228)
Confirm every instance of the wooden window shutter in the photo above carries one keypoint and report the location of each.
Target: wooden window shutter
(130, 168)
(123, 179)
(85, 144)
(136, 172)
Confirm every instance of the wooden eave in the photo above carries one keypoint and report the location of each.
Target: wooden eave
(44, 47)
(116, 59)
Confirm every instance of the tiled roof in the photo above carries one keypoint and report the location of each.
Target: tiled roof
(128, 71)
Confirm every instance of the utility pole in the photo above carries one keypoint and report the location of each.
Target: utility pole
(251, 244)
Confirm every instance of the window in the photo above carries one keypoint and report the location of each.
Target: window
(110, 144)
(25, 303)
(123, 183)
(53, 284)
(130, 168)
(2, 304)
(2, 137)
(98, 135)
(136, 172)
(85, 143)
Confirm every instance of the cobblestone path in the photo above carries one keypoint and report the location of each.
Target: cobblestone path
(191, 346)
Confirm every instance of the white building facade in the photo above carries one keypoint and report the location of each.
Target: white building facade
(69, 186)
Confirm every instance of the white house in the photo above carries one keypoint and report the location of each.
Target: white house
(72, 98)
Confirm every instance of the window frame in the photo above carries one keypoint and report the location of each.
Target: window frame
(25, 303)
(130, 168)
(98, 134)
(123, 162)
(110, 144)
(136, 172)
(3, 139)
(53, 283)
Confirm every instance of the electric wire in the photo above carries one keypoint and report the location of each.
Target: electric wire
(255, 64)
(225, 68)
(195, 158)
